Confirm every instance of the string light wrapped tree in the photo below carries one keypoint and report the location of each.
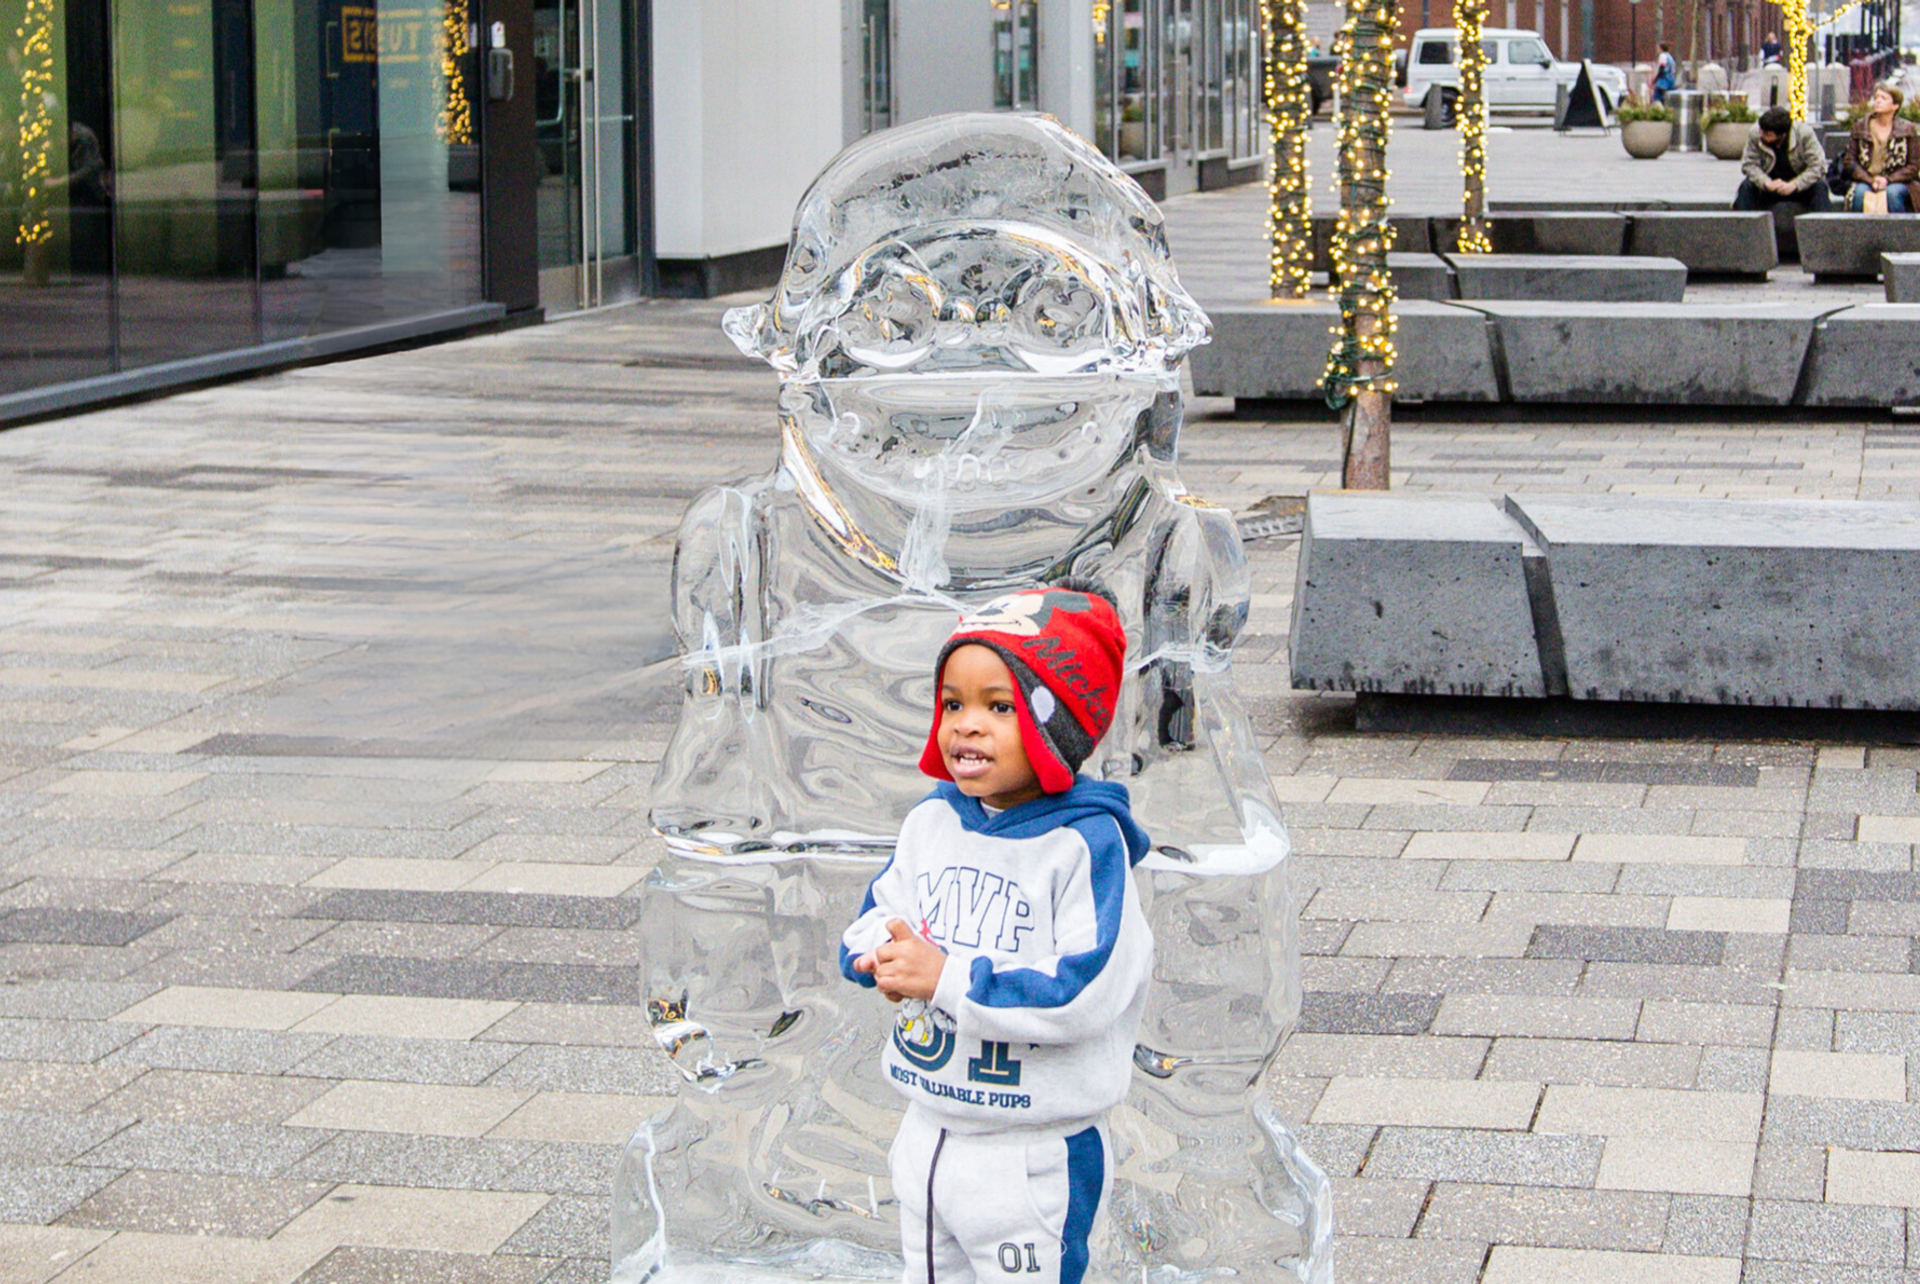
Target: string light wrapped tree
(1801, 22)
(34, 234)
(1470, 118)
(1289, 108)
(1359, 376)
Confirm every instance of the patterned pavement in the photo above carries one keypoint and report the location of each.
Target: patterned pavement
(326, 736)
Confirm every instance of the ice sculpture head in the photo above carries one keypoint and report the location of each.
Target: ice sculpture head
(976, 242)
(974, 307)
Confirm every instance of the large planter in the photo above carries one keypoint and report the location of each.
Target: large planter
(1646, 139)
(1728, 139)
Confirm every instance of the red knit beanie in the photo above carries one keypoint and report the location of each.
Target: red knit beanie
(1067, 652)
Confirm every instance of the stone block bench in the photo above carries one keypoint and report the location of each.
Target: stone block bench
(1600, 232)
(1420, 595)
(1689, 354)
(1865, 356)
(1710, 243)
(1673, 354)
(1278, 351)
(1606, 598)
(1420, 276)
(1901, 273)
(1850, 245)
(1569, 278)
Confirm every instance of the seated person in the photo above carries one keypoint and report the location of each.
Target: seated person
(1770, 49)
(1883, 156)
(1784, 164)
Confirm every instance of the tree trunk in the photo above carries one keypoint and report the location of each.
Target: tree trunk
(1359, 379)
(1470, 119)
(1289, 106)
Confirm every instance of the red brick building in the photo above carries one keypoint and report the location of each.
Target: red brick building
(1731, 31)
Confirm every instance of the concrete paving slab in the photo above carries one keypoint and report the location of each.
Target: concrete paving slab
(547, 454)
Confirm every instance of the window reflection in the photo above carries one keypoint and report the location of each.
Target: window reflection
(221, 173)
(56, 195)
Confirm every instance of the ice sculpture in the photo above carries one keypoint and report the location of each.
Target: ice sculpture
(978, 333)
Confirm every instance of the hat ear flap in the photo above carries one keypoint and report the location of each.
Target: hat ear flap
(932, 761)
(1055, 776)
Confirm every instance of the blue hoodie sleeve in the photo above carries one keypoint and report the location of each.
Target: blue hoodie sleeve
(889, 896)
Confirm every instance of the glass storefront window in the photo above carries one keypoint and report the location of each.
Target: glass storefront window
(1124, 112)
(183, 177)
(1016, 54)
(1178, 80)
(183, 181)
(369, 182)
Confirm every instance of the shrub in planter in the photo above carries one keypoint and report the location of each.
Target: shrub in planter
(1727, 129)
(1646, 129)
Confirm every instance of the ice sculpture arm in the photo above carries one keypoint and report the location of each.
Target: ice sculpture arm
(1198, 590)
(1103, 952)
(713, 565)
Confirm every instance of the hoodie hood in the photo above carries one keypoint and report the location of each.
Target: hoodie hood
(1086, 800)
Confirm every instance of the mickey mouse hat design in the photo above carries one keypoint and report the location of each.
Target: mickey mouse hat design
(1066, 650)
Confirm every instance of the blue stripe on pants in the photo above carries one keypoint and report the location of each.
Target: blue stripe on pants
(1086, 1172)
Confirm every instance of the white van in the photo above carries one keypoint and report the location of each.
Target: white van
(1522, 74)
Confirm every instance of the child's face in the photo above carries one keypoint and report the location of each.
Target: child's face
(980, 731)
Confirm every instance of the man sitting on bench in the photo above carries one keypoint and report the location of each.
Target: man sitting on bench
(1784, 164)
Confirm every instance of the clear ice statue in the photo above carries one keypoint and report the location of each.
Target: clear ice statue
(978, 333)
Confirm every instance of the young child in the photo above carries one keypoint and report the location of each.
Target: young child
(1008, 929)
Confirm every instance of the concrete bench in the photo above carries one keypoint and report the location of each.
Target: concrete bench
(1781, 602)
(1559, 232)
(1420, 276)
(1866, 356)
(1716, 243)
(1605, 598)
(1901, 273)
(1570, 278)
(1850, 245)
(1653, 353)
(1378, 574)
(1278, 352)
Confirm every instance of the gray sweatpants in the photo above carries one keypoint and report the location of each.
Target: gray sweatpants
(1004, 1206)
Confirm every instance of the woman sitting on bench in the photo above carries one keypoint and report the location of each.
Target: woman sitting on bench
(1883, 153)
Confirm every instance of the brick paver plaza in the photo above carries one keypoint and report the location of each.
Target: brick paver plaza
(326, 739)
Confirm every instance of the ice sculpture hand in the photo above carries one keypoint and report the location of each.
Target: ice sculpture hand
(979, 333)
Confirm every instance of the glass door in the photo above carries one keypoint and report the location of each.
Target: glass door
(584, 116)
(876, 65)
(1016, 55)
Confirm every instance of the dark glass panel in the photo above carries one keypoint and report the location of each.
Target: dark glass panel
(369, 165)
(184, 178)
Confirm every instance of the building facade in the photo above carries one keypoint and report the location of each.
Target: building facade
(1727, 32)
(195, 188)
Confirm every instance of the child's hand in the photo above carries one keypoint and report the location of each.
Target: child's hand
(906, 967)
(866, 963)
